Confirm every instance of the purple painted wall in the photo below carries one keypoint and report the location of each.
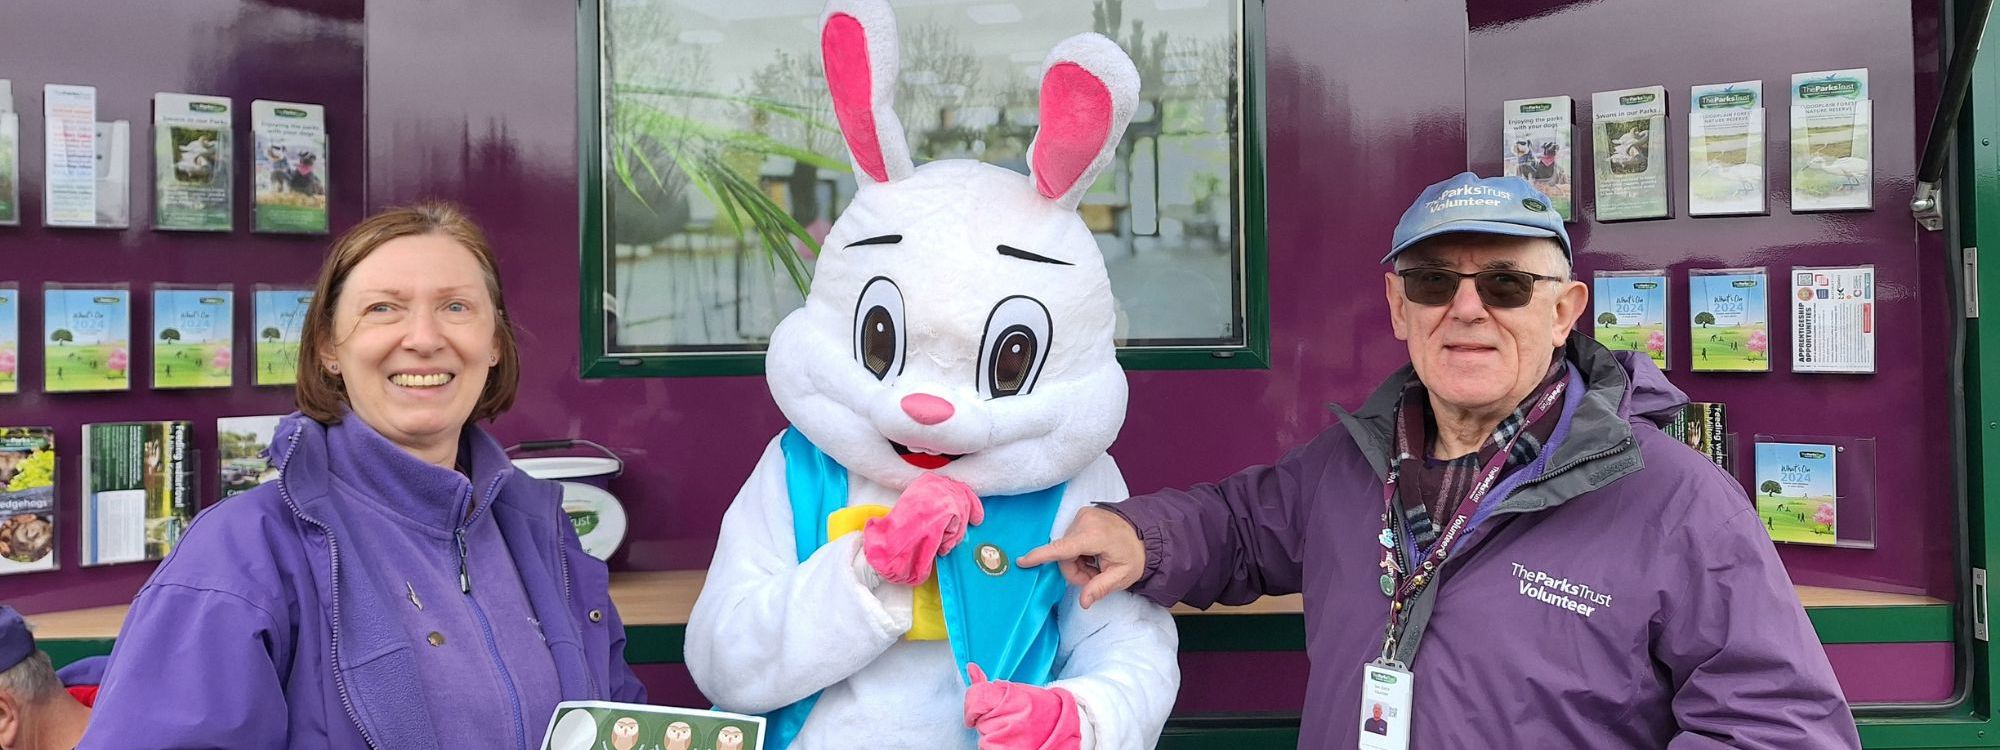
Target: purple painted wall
(474, 100)
(298, 50)
(1514, 47)
(1514, 50)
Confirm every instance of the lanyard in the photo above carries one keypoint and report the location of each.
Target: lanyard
(1424, 572)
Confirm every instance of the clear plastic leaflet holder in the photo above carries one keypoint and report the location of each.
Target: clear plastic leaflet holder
(1773, 488)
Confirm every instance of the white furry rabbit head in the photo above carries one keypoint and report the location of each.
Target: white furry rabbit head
(960, 319)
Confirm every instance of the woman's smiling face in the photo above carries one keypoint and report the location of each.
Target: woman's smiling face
(414, 340)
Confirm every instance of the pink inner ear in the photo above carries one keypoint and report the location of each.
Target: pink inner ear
(1076, 119)
(844, 45)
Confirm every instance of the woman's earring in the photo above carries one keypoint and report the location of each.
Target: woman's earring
(333, 368)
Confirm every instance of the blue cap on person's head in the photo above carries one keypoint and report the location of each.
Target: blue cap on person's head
(16, 643)
(1478, 205)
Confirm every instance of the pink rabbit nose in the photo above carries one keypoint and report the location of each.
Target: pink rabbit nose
(926, 408)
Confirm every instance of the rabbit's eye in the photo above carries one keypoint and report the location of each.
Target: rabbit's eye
(1012, 360)
(878, 341)
(878, 328)
(1015, 345)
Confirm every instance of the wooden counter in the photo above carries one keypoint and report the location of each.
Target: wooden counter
(664, 598)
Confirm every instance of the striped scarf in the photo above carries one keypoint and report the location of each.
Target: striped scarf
(1442, 484)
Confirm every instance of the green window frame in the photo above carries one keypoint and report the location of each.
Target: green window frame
(1251, 289)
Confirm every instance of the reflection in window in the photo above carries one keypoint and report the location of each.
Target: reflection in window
(724, 167)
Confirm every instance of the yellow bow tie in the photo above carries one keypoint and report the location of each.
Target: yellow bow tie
(927, 615)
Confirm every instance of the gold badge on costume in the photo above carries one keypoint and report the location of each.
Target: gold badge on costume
(991, 560)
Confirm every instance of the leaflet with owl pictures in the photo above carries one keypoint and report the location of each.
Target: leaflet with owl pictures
(1729, 312)
(292, 172)
(138, 490)
(193, 336)
(1726, 149)
(1797, 496)
(192, 170)
(10, 157)
(1832, 141)
(1629, 141)
(1629, 309)
(86, 338)
(604, 725)
(10, 338)
(278, 316)
(1540, 133)
(27, 499)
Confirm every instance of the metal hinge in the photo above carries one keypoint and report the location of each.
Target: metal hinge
(1926, 208)
(1979, 603)
(1972, 282)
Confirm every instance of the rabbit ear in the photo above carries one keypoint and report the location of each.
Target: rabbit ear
(1089, 90)
(857, 41)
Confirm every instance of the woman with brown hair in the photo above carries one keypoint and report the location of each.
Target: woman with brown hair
(400, 585)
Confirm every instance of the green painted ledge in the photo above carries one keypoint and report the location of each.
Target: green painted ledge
(662, 644)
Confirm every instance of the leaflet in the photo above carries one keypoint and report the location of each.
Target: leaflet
(1832, 141)
(192, 163)
(1833, 319)
(1630, 310)
(193, 336)
(603, 725)
(1796, 492)
(10, 157)
(1631, 175)
(1729, 312)
(86, 338)
(292, 171)
(69, 137)
(1539, 147)
(1726, 149)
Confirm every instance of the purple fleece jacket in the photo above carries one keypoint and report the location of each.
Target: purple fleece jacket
(1619, 591)
(284, 617)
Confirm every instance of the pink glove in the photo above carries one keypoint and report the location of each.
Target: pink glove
(1013, 716)
(929, 519)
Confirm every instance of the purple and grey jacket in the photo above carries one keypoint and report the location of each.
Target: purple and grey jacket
(367, 599)
(1617, 592)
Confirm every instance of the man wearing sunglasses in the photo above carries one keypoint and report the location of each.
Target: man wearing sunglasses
(1500, 548)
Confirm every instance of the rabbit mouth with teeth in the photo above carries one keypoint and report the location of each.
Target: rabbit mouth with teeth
(924, 459)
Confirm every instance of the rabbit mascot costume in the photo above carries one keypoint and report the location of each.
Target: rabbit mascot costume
(952, 387)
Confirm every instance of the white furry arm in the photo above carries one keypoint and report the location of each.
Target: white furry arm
(768, 630)
(1118, 657)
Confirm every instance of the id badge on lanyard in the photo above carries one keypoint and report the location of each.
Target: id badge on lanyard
(1385, 706)
(1386, 684)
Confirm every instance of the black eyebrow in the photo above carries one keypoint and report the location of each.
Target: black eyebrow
(1015, 252)
(887, 239)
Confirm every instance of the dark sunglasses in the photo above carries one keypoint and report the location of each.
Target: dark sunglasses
(1497, 287)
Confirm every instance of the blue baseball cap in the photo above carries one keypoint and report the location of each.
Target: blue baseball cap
(1479, 205)
(16, 643)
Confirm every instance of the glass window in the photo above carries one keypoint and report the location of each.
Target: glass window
(721, 166)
